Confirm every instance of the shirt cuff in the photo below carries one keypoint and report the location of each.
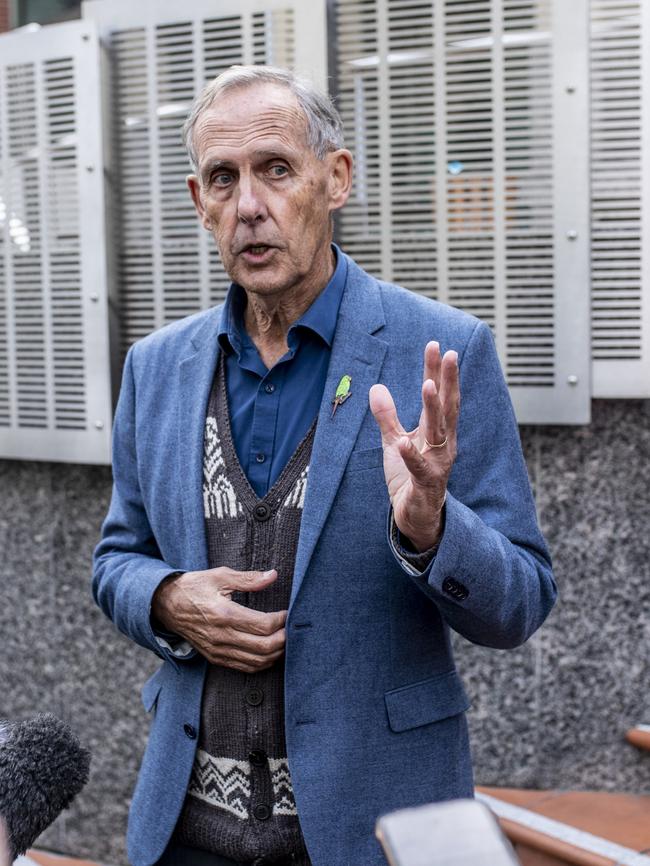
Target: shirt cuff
(175, 645)
(416, 564)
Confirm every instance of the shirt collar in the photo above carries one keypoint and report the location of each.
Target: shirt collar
(320, 317)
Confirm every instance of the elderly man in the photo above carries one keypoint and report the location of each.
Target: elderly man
(294, 547)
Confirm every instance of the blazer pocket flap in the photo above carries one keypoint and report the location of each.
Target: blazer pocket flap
(427, 701)
(151, 690)
(366, 458)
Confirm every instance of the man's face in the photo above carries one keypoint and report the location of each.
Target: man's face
(262, 192)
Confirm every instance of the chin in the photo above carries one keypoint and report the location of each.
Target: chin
(260, 282)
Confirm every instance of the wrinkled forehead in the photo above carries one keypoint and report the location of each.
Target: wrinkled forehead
(249, 116)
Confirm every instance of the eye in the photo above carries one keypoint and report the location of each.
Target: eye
(222, 179)
(279, 170)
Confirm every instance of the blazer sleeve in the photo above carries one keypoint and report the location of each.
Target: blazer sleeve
(128, 566)
(491, 577)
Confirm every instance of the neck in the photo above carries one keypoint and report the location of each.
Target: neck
(267, 318)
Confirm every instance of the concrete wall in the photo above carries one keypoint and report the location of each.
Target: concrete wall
(551, 714)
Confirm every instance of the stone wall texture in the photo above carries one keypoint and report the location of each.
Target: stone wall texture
(552, 714)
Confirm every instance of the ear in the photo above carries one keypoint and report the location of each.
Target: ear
(340, 178)
(194, 187)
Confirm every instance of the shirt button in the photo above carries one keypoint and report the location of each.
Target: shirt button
(262, 812)
(260, 457)
(257, 758)
(269, 387)
(254, 697)
(262, 512)
(190, 731)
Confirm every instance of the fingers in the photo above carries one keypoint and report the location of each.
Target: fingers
(238, 660)
(440, 400)
(450, 389)
(262, 646)
(382, 407)
(440, 397)
(256, 622)
(236, 636)
(420, 467)
(432, 363)
(414, 459)
(433, 424)
(251, 640)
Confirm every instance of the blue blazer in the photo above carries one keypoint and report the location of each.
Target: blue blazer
(374, 707)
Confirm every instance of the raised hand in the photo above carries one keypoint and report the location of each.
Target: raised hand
(417, 464)
(198, 606)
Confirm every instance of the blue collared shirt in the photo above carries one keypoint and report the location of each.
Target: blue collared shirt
(271, 411)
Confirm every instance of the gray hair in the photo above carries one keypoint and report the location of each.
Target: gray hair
(324, 127)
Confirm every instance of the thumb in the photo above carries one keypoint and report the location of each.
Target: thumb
(382, 407)
(230, 580)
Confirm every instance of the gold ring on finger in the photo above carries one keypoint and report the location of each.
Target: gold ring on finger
(431, 445)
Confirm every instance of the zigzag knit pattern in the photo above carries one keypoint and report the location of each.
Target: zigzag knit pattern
(219, 498)
(226, 784)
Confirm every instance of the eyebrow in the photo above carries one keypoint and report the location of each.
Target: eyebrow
(275, 153)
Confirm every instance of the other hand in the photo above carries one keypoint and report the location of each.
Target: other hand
(417, 464)
(198, 606)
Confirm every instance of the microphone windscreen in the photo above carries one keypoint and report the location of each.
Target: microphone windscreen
(42, 768)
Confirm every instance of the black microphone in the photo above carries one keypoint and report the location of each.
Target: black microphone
(43, 766)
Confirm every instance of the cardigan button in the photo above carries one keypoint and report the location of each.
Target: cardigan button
(190, 731)
(254, 697)
(262, 512)
(257, 758)
(262, 812)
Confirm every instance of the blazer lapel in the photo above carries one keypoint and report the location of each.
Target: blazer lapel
(196, 373)
(359, 354)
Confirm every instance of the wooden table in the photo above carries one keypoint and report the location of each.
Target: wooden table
(623, 819)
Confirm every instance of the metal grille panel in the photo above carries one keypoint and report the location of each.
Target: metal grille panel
(54, 361)
(619, 183)
(454, 114)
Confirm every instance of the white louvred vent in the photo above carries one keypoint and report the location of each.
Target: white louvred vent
(162, 55)
(54, 359)
(620, 183)
(464, 117)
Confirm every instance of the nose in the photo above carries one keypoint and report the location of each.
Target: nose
(251, 207)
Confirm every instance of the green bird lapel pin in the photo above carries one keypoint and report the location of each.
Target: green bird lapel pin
(342, 392)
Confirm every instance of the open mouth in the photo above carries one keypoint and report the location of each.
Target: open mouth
(257, 252)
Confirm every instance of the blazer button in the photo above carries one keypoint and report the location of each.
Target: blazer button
(455, 589)
(190, 731)
(262, 812)
(261, 512)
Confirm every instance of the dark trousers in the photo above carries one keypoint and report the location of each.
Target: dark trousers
(181, 855)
